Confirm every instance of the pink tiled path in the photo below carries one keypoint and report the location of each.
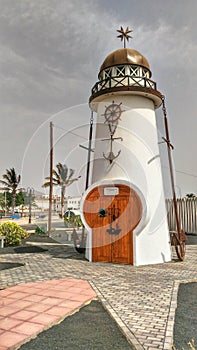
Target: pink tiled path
(28, 309)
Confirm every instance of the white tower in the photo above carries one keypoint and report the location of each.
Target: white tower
(124, 208)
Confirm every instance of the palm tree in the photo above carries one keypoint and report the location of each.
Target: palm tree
(62, 178)
(11, 182)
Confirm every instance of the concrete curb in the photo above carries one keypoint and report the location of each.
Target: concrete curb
(169, 333)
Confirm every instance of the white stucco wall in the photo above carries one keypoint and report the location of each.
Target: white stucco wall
(138, 164)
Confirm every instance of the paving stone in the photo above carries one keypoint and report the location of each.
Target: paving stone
(143, 298)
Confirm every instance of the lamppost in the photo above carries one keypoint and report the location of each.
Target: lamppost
(30, 192)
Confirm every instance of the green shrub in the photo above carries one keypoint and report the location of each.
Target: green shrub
(40, 231)
(73, 221)
(13, 233)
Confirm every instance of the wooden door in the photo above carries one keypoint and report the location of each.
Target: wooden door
(112, 219)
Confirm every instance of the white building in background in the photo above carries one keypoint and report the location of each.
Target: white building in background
(42, 203)
(70, 203)
(124, 208)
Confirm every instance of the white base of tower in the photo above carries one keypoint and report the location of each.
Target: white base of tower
(152, 247)
(137, 166)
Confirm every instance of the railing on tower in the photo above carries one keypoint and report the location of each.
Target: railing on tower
(125, 81)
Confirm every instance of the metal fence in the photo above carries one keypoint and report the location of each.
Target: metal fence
(187, 211)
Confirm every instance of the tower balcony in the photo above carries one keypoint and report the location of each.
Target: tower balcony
(126, 84)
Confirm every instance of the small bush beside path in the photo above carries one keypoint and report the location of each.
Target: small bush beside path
(13, 233)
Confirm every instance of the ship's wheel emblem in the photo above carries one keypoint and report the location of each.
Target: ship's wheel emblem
(112, 113)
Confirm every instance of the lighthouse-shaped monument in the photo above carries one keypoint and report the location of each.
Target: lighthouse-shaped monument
(123, 210)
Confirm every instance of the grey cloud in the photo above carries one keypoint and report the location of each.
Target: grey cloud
(51, 51)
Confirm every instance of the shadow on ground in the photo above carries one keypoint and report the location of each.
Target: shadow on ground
(9, 265)
(40, 244)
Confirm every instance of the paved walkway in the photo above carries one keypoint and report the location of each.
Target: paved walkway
(28, 309)
(142, 300)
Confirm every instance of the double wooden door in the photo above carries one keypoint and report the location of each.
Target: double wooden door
(112, 218)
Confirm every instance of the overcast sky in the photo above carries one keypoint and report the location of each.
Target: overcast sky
(50, 55)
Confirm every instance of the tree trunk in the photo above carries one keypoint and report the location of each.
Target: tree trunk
(62, 200)
(13, 201)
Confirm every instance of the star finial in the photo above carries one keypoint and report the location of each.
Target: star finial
(124, 35)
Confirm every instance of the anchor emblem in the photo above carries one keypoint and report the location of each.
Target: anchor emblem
(111, 155)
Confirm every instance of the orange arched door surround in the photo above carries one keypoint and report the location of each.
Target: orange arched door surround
(112, 211)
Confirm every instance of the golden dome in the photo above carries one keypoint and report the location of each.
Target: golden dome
(125, 56)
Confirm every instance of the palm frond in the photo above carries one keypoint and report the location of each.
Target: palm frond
(19, 179)
(11, 179)
(6, 177)
(71, 173)
(48, 179)
(62, 177)
(4, 188)
(47, 184)
(72, 180)
(62, 172)
(56, 175)
(4, 183)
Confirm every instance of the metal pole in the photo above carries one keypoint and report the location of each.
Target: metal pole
(30, 206)
(89, 151)
(171, 166)
(88, 167)
(51, 179)
(30, 192)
